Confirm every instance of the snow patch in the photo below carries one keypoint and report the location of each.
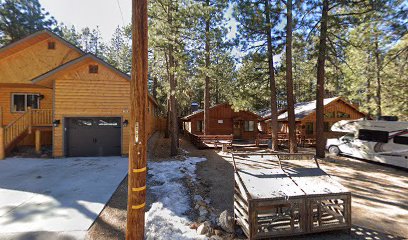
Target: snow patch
(166, 218)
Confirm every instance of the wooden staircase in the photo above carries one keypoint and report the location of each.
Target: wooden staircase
(17, 130)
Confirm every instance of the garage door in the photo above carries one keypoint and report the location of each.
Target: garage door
(99, 136)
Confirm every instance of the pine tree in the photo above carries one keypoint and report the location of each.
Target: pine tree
(19, 18)
(257, 20)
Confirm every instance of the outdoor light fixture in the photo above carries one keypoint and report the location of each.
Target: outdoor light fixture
(55, 123)
(41, 97)
(125, 123)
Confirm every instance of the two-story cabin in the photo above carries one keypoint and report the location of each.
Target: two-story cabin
(52, 93)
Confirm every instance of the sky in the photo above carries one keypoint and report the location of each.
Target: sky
(106, 14)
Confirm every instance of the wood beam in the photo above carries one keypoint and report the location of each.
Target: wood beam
(2, 144)
(138, 134)
(37, 141)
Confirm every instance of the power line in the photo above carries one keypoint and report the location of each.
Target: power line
(121, 14)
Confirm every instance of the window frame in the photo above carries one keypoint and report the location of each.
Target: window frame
(341, 114)
(52, 45)
(25, 101)
(93, 69)
(200, 126)
(307, 132)
(247, 126)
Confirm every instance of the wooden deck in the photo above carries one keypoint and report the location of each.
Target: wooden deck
(288, 199)
(32, 120)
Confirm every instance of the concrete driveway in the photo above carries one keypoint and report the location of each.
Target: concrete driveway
(55, 198)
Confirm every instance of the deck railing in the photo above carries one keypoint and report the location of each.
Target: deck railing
(16, 128)
(41, 117)
(31, 118)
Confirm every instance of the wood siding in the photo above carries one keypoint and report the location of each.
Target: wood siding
(5, 101)
(105, 94)
(334, 107)
(32, 61)
(228, 116)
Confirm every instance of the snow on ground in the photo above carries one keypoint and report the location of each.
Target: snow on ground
(167, 218)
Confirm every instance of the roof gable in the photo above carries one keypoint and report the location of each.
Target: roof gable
(201, 111)
(47, 79)
(29, 40)
(303, 109)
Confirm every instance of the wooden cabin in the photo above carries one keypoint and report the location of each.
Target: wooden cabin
(335, 109)
(224, 121)
(52, 93)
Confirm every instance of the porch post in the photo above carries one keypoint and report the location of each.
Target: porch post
(37, 141)
(30, 120)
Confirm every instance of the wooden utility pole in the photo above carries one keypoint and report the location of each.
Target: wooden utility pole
(138, 136)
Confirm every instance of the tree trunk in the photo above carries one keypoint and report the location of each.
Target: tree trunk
(320, 139)
(173, 109)
(167, 130)
(272, 85)
(368, 90)
(138, 134)
(207, 78)
(289, 81)
(154, 90)
(378, 76)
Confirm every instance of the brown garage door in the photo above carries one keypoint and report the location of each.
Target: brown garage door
(93, 136)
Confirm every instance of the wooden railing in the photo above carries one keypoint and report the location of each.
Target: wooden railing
(31, 118)
(41, 117)
(16, 128)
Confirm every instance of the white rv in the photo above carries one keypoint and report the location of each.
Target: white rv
(379, 141)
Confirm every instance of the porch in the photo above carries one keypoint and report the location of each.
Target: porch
(31, 121)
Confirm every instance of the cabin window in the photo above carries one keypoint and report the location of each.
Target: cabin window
(309, 128)
(343, 115)
(327, 126)
(200, 126)
(329, 115)
(93, 69)
(220, 121)
(21, 101)
(51, 45)
(249, 126)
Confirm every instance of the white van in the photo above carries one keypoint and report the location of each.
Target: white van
(379, 141)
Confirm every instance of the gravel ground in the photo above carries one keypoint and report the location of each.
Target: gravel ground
(379, 207)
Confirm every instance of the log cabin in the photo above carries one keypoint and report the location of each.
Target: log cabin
(335, 109)
(52, 93)
(224, 121)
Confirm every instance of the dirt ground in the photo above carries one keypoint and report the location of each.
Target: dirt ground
(379, 193)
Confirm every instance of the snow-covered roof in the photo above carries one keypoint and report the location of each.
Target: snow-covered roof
(305, 108)
(193, 113)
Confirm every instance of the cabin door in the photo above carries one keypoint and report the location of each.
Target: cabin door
(238, 126)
